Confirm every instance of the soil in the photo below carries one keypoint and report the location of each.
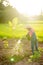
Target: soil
(24, 61)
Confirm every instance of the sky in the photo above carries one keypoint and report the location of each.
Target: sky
(28, 7)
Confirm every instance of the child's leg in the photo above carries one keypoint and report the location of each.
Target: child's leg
(36, 45)
(32, 46)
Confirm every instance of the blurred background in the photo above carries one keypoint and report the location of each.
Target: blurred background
(15, 16)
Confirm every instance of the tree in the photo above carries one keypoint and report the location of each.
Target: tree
(7, 12)
(2, 7)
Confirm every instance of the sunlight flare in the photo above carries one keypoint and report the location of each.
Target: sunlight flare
(28, 7)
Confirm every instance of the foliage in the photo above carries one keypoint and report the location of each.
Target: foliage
(10, 60)
(16, 58)
(40, 49)
(7, 13)
(35, 57)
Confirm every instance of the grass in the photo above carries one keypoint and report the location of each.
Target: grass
(19, 32)
(16, 58)
(6, 31)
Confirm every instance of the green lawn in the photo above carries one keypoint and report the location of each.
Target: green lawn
(7, 31)
(19, 32)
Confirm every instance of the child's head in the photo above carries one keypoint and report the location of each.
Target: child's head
(28, 28)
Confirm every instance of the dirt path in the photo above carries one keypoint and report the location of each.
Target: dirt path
(24, 62)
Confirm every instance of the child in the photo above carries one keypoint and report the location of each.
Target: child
(34, 41)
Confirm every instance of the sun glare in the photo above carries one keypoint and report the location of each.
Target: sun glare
(28, 7)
